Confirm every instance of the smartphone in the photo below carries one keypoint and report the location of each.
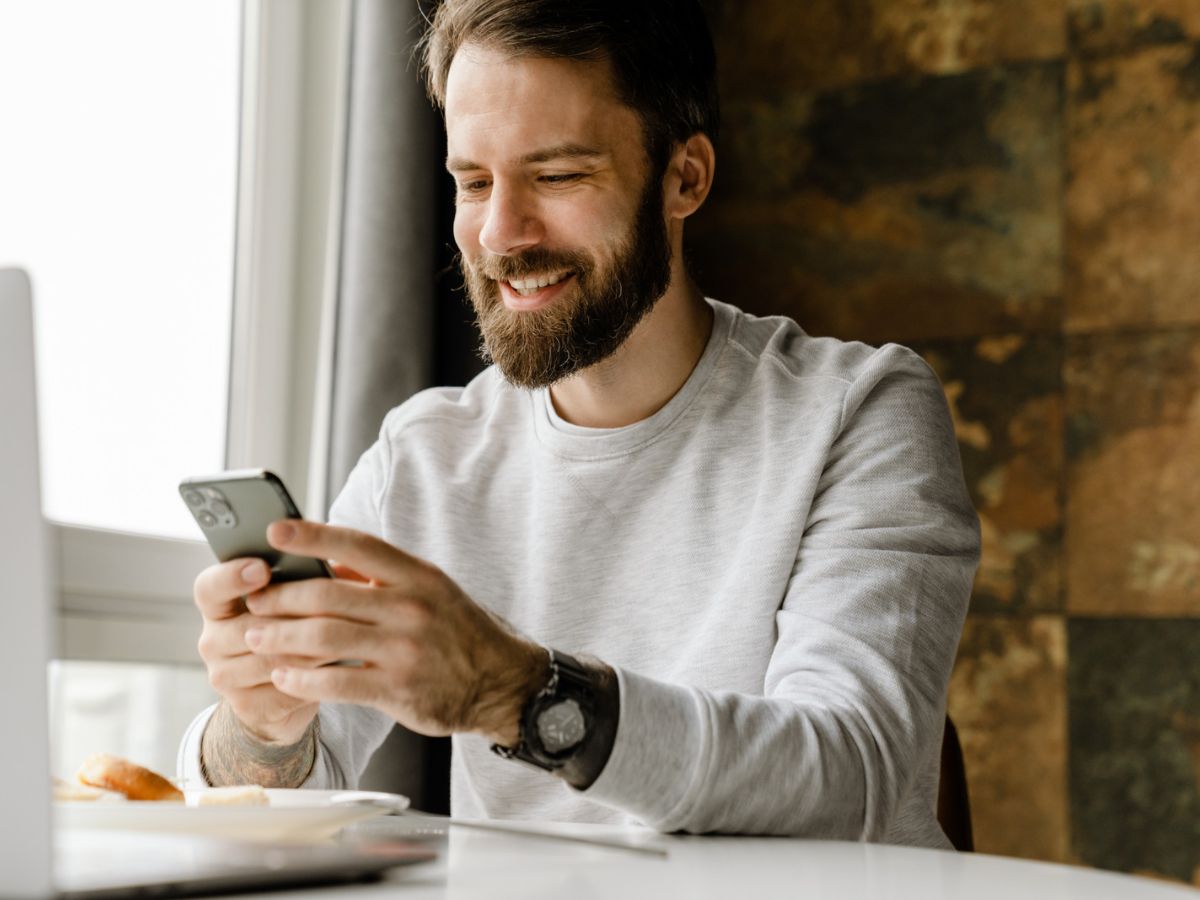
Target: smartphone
(233, 509)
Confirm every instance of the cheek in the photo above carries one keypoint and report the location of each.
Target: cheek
(583, 225)
(466, 229)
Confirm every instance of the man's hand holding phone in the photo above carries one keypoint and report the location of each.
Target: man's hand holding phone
(233, 510)
(276, 622)
(431, 658)
(240, 676)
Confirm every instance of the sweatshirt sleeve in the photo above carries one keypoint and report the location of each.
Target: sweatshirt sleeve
(853, 701)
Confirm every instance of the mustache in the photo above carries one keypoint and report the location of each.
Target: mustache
(532, 262)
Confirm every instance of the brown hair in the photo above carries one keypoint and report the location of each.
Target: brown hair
(661, 53)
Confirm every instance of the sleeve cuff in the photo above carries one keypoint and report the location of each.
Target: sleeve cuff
(187, 765)
(658, 754)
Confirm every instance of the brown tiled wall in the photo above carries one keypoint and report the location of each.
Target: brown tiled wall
(1012, 187)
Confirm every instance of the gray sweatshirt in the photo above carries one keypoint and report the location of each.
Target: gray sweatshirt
(777, 564)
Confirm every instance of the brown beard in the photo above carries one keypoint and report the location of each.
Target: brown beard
(538, 348)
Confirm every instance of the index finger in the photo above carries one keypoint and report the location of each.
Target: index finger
(333, 598)
(219, 590)
(365, 554)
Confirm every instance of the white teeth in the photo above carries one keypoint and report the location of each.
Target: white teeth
(527, 286)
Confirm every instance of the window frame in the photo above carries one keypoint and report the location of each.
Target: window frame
(128, 597)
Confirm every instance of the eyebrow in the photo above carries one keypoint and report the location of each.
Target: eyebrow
(546, 154)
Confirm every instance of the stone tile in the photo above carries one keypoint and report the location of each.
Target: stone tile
(1005, 396)
(1134, 690)
(1133, 487)
(1008, 700)
(782, 44)
(1108, 26)
(904, 210)
(1132, 197)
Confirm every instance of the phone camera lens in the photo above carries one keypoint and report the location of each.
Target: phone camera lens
(206, 519)
(193, 498)
(220, 508)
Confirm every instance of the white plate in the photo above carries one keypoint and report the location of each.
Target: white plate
(293, 815)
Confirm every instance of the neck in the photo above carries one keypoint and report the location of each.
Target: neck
(647, 370)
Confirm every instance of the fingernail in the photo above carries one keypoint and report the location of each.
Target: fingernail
(252, 573)
(282, 532)
(253, 636)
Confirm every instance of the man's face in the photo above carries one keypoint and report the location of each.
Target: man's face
(560, 223)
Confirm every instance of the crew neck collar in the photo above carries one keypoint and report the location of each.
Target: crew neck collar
(580, 442)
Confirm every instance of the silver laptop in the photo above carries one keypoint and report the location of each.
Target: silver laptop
(35, 861)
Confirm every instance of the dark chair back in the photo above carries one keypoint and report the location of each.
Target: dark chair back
(953, 804)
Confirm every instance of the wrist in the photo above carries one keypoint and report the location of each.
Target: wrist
(232, 754)
(281, 736)
(498, 716)
(568, 727)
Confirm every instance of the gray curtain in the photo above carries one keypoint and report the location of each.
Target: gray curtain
(386, 291)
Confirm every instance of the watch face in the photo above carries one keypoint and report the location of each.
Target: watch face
(561, 726)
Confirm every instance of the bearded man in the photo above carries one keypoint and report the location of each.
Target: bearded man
(663, 562)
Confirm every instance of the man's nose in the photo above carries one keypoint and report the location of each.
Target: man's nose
(511, 224)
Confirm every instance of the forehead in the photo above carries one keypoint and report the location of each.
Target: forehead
(501, 107)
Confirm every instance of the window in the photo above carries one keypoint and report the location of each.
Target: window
(119, 198)
(167, 176)
(135, 711)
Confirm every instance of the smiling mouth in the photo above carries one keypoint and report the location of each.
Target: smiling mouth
(528, 287)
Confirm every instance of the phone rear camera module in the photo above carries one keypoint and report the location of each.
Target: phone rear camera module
(193, 498)
(206, 519)
(220, 508)
(227, 520)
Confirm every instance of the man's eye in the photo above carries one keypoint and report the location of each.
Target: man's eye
(566, 178)
(472, 187)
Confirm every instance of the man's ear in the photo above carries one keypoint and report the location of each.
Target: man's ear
(689, 176)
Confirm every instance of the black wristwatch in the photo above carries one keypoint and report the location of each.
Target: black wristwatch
(557, 720)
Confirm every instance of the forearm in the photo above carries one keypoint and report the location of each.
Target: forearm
(843, 740)
(698, 761)
(230, 754)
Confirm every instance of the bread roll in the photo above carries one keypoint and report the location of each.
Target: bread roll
(235, 795)
(73, 793)
(137, 783)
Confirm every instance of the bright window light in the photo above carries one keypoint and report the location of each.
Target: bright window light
(137, 711)
(118, 167)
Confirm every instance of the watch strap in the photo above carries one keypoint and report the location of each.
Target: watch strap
(568, 680)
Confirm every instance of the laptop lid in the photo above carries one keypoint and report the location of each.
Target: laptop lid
(25, 598)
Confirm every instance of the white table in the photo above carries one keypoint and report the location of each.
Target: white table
(477, 864)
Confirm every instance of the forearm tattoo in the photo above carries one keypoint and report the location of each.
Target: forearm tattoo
(229, 754)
